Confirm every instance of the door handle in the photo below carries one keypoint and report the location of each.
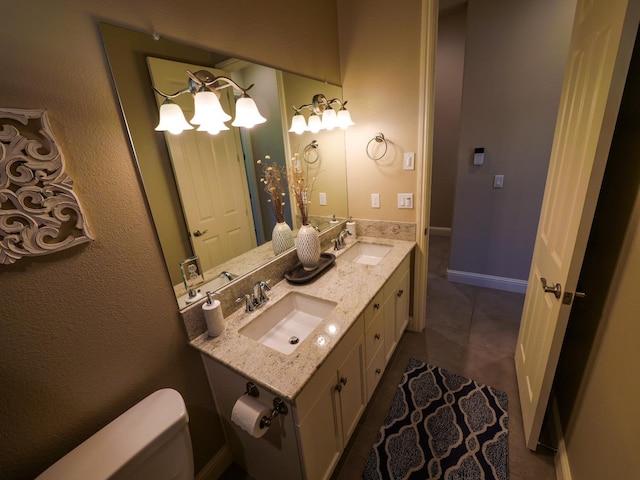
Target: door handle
(556, 289)
(198, 233)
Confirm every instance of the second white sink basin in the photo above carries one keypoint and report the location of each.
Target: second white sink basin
(286, 323)
(365, 253)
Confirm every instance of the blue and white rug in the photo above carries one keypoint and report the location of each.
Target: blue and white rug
(442, 426)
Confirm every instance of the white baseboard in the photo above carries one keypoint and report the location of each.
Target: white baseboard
(440, 231)
(215, 467)
(489, 281)
(560, 460)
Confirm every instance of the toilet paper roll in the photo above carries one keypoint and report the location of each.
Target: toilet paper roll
(214, 318)
(247, 413)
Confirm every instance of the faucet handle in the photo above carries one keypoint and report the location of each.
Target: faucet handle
(248, 299)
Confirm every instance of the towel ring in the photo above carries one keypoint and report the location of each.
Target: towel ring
(379, 138)
(311, 152)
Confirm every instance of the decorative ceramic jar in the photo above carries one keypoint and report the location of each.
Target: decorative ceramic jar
(308, 247)
(281, 238)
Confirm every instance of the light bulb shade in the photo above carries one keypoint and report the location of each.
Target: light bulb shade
(329, 119)
(344, 119)
(213, 128)
(247, 114)
(172, 119)
(298, 124)
(208, 109)
(315, 124)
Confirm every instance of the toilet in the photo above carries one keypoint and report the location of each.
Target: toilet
(149, 441)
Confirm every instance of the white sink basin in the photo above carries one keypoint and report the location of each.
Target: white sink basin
(365, 253)
(285, 324)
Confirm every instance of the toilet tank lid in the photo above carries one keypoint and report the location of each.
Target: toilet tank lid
(145, 425)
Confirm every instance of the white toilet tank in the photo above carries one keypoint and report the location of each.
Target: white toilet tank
(149, 441)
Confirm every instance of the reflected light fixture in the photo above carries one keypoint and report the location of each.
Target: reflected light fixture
(209, 115)
(323, 115)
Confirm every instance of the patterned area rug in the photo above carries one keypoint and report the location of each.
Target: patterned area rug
(442, 426)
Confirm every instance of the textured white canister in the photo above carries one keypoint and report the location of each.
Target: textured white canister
(308, 247)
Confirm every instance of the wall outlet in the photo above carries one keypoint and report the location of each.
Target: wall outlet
(375, 200)
(405, 200)
(478, 156)
(323, 198)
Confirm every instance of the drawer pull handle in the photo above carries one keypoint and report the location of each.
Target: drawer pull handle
(400, 292)
(377, 336)
(376, 306)
(343, 380)
(378, 371)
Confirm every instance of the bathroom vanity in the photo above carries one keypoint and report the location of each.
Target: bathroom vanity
(329, 374)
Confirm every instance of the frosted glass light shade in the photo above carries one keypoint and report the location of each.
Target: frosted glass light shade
(172, 119)
(344, 119)
(329, 119)
(298, 124)
(315, 124)
(247, 114)
(208, 109)
(213, 128)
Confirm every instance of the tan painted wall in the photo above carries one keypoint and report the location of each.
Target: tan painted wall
(514, 66)
(380, 59)
(87, 333)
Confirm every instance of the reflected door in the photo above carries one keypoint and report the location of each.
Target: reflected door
(210, 174)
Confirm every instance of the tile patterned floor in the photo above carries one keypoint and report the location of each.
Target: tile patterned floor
(469, 330)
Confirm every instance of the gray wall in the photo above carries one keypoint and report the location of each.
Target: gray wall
(514, 67)
(452, 32)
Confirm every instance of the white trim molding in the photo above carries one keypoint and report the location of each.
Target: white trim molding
(215, 467)
(489, 281)
(560, 460)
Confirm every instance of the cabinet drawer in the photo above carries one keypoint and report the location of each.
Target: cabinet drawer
(374, 308)
(375, 371)
(392, 284)
(374, 338)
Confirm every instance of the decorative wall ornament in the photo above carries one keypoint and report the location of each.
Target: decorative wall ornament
(39, 213)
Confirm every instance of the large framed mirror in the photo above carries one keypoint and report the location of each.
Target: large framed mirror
(234, 176)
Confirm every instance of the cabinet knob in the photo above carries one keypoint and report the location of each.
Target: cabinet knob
(343, 380)
(400, 292)
(376, 306)
(338, 388)
(377, 336)
(378, 371)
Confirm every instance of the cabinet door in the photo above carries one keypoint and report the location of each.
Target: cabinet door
(402, 305)
(320, 434)
(352, 390)
(389, 312)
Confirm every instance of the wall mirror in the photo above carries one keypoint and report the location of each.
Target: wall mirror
(231, 174)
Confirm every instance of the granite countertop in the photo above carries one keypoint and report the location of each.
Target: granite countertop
(352, 286)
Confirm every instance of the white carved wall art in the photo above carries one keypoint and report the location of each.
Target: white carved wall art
(39, 213)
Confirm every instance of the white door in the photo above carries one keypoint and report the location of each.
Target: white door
(599, 55)
(210, 174)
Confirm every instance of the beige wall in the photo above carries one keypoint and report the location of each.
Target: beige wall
(452, 32)
(380, 60)
(513, 72)
(89, 332)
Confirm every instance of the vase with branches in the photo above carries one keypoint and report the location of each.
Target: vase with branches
(273, 176)
(307, 241)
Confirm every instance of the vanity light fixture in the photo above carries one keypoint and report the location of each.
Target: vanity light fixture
(209, 115)
(323, 115)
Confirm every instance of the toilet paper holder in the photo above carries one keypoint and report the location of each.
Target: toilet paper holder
(279, 407)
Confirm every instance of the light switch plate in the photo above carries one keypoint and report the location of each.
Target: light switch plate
(375, 200)
(323, 198)
(405, 200)
(409, 161)
(498, 181)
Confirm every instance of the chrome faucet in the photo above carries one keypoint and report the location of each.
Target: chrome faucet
(260, 290)
(257, 298)
(340, 241)
(227, 274)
